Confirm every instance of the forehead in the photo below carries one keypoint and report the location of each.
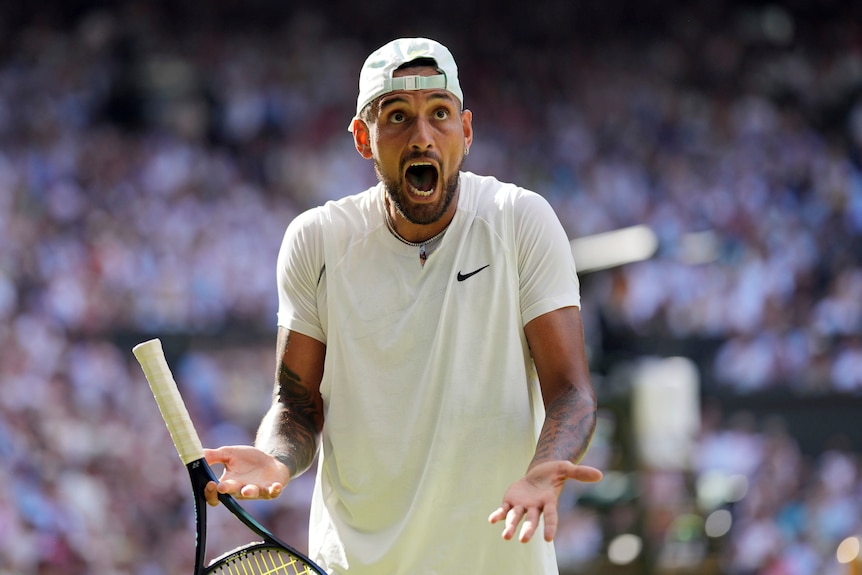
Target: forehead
(417, 97)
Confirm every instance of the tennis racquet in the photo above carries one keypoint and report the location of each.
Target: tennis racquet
(268, 557)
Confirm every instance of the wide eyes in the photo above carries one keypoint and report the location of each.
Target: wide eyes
(400, 117)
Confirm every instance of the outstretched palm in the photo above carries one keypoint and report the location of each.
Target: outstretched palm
(249, 473)
(535, 495)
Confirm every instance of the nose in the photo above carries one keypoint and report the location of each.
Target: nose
(421, 138)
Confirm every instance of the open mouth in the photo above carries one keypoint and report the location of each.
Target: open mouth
(422, 178)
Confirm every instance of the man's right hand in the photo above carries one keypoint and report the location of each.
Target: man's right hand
(249, 473)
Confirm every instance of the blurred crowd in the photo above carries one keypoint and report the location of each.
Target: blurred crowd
(151, 156)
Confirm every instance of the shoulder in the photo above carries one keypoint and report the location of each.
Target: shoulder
(324, 229)
(492, 198)
(350, 212)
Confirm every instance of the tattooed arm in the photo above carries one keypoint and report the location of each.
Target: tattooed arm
(287, 438)
(291, 428)
(557, 344)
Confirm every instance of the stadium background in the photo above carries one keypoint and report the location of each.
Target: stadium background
(151, 154)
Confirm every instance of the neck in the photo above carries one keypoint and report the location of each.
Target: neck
(411, 233)
(431, 238)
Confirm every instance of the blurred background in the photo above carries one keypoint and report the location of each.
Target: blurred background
(152, 154)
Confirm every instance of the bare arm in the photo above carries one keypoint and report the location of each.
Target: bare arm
(290, 430)
(287, 438)
(557, 344)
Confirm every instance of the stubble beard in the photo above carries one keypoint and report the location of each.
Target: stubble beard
(422, 214)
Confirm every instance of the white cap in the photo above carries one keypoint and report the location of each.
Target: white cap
(375, 78)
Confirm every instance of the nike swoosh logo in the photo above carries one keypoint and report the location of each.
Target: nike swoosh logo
(462, 277)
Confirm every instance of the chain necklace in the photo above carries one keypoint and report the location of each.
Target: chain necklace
(423, 253)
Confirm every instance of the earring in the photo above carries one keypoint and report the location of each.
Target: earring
(466, 151)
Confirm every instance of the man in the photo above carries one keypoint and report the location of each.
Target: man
(430, 341)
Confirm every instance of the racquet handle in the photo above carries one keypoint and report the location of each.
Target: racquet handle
(151, 356)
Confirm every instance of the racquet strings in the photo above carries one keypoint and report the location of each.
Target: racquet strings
(260, 561)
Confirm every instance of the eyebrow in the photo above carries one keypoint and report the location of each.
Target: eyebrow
(440, 95)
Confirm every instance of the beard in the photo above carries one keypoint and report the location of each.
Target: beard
(422, 214)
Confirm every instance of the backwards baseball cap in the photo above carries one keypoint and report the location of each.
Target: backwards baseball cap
(375, 78)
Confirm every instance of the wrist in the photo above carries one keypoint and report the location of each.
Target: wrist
(287, 462)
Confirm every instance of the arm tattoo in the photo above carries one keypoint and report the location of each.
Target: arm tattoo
(296, 429)
(570, 421)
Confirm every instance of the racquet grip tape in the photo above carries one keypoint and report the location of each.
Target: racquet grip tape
(151, 356)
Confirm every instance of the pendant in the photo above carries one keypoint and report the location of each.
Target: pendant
(422, 255)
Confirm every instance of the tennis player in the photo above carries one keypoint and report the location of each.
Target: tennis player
(430, 346)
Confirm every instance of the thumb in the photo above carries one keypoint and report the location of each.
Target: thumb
(583, 473)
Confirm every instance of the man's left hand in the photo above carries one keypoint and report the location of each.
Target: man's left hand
(536, 494)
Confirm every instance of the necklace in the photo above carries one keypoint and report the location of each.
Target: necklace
(391, 227)
(423, 252)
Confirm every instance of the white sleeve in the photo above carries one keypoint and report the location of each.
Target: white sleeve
(546, 267)
(299, 272)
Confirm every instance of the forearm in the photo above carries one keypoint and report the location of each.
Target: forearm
(290, 430)
(570, 420)
(290, 438)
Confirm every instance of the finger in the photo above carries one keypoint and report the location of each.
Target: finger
(250, 491)
(552, 520)
(531, 523)
(275, 490)
(512, 519)
(211, 493)
(499, 514)
(230, 487)
(214, 456)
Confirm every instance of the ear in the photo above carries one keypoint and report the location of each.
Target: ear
(467, 126)
(362, 138)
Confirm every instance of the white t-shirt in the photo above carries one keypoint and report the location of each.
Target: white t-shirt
(432, 404)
